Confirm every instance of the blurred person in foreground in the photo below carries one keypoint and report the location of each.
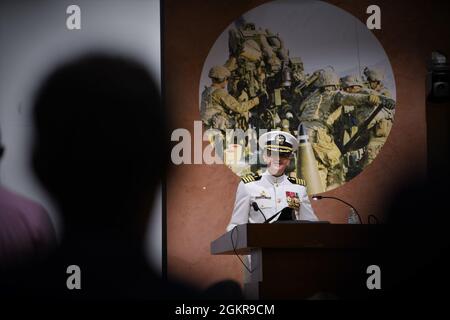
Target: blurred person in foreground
(100, 150)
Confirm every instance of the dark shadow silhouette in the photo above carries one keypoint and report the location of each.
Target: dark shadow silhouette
(224, 290)
(418, 245)
(101, 151)
(415, 246)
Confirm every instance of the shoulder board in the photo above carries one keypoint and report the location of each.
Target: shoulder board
(297, 181)
(250, 178)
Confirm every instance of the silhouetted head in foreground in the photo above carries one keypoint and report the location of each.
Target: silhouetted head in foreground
(100, 145)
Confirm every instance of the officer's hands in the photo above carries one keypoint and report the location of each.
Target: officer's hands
(374, 99)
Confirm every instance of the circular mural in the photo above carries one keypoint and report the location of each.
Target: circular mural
(304, 67)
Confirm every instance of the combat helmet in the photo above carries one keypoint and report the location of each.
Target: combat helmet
(219, 73)
(373, 75)
(328, 78)
(351, 80)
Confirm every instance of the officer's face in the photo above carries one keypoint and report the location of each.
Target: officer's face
(277, 163)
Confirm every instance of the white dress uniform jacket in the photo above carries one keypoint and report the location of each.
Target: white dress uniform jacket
(272, 194)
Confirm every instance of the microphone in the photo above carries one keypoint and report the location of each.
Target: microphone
(315, 197)
(256, 208)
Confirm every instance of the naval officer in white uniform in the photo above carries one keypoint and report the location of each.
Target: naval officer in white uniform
(273, 190)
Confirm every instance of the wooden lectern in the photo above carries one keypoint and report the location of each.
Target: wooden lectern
(303, 260)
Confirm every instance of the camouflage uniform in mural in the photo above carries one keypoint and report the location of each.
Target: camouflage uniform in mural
(246, 61)
(351, 117)
(259, 65)
(302, 84)
(318, 114)
(219, 109)
(256, 44)
(290, 96)
(381, 125)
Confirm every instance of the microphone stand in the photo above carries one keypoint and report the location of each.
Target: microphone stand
(345, 202)
(256, 208)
